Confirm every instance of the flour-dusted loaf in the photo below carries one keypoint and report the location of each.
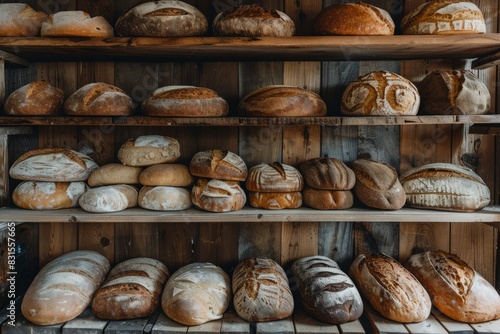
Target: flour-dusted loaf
(216, 195)
(327, 173)
(253, 21)
(64, 287)
(171, 175)
(163, 18)
(38, 98)
(444, 17)
(131, 290)
(164, 198)
(218, 164)
(353, 19)
(44, 195)
(458, 92)
(75, 23)
(324, 199)
(52, 164)
(380, 93)
(149, 150)
(19, 19)
(445, 186)
(281, 100)
(390, 288)
(197, 293)
(455, 288)
(261, 290)
(274, 177)
(99, 99)
(377, 185)
(114, 173)
(275, 200)
(185, 101)
(110, 198)
(326, 292)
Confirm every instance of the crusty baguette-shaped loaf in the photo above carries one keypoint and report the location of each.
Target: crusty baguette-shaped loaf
(99, 99)
(111, 198)
(281, 100)
(326, 292)
(380, 93)
(114, 173)
(19, 19)
(163, 18)
(149, 150)
(322, 199)
(390, 288)
(253, 21)
(444, 17)
(377, 185)
(52, 164)
(35, 99)
(275, 200)
(75, 23)
(132, 289)
(261, 290)
(455, 288)
(164, 198)
(353, 19)
(44, 195)
(274, 177)
(196, 293)
(445, 186)
(327, 173)
(171, 175)
(453, 93)
(218, 164)
(64, 287)
(216, 195)
(185, 101)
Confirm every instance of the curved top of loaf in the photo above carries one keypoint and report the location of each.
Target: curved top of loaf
(438, 169)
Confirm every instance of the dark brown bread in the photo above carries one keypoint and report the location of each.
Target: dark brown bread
(36, 98)
(274, 177)
(327, 173)
(218, 164)
(275, 200)
(216, 195)
(327, 199)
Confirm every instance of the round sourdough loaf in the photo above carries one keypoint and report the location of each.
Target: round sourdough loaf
(380, 93)
(99, 99)
(164, 198)
(326, 292)
(185, 101)
(218, 164)
(323, 199)
(19, 19)
(453, 92)
(111, 198)
(64, 287)
(114, 174)
(162, 18)
(253, 21)
(261, 290)
(75, 23)
(42, 195)
(455, 288)
(440, 17)
(274, 177)
(445, 186)
(172, 175)
(218, 195)
(390, 288)
(38, 98)
(196, 293)
(353, 19)
(149, 150)
(327, 173)
(52, 164)
(132, 290)
(280, 100)
(275, 200)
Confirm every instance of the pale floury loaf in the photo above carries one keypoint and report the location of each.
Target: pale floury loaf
(216, 195)
(164, 198)
(110, 198)
(19, 19)
(75, 23)
(45, 195)
(149, 150)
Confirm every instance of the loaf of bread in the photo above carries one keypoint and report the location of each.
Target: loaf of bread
(377, 185)
(216, 195)
(274, 177)
(149, 150)
(445, 186)
(455, 288)
(253, 21)
(185, 101)
(114, 173)
(38, 98)
(196, 293)
(324, 199)
(163, 18)
(444, 17)
(75, 23)
(280, 100)
(52, 164)
(172, 175)
(131, 290)
(353, 19)
(275, 200)
(164, 198)
(380, 93)
(390, 288)
(19, 19)
(111, 198)
(326, 292)
(99, 99)
(327, 173)
(261, 290)
(458, 92)
(64, 287)
(218, 164)
(43, 195)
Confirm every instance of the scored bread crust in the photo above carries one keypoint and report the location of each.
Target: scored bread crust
(323, 199)
(274, 177)
(218, 164)
(43, 195)
(18, 19)
(216, 195)
(75, 23)
(327, 173)
(35, 98)
(275, 200)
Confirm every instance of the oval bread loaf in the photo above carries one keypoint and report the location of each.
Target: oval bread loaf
(75, 23)
(149, 150)
(218, 164)
(114, 174)
(111, 198)
(35, 99)
(19, 19)
(172, 175)
(327, 173)
(275, 200)
(274, 177)
(43, 195)
(322, 199)
(164, 198)
(216, 195)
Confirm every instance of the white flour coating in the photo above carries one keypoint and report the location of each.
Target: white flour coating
(103, 199)
(153, 268)
(169, 88)
(164, 198)
(220, 188)
(153, 141)
(145, 282)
